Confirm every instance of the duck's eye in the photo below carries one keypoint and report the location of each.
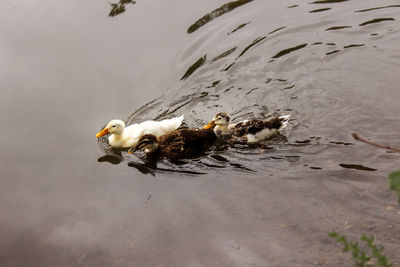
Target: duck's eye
(114, 126)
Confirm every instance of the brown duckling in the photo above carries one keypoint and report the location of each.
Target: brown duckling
(179, 144)
(248, 131)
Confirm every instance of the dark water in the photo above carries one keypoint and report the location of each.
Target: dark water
(67, 69)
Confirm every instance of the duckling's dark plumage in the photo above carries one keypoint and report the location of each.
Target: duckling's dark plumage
(179, 144)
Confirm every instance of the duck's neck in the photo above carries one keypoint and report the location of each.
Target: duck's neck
(119, 133)
(116, 139)
(220, 130)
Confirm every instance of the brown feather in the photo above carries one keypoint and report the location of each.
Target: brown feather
(182, 143)
(254, 126)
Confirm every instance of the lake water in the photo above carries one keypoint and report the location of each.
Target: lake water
(68, 68)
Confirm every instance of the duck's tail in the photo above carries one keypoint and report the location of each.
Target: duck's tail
(171, 124)
(284, 120)
(178, 120)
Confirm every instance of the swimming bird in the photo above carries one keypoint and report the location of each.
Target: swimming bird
(248, 131)
(179, 144)
(125, 137)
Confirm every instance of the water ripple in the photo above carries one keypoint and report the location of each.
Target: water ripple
(375, 21)
(376, 8)
(328, 1)
(319, 10)
(289, 50)
(353, 45)
(216, 13)
(245, 82)
(239, 27)
(224, 54)
(256, 41)
(337, 28)
(194, 67)
(356, 167)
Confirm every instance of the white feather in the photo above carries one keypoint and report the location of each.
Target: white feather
(267, 133)
(285, 121)
(261, 135)
(131, 134)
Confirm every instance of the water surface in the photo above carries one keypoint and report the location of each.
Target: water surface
(68, 68)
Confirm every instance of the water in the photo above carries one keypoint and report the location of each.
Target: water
(68, 69)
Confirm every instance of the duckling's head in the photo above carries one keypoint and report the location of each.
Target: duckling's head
(114, 126)
(148, 143)
(221, 119)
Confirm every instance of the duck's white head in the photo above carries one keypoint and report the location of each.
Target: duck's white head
(221, 119)
(114, 127)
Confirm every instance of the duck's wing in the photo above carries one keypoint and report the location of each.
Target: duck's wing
(172, 145)
(171, 138)
(241, 128)
(253, 131)
(157, 128)
(255, 126)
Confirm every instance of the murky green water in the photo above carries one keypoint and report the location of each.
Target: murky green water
(67, 69)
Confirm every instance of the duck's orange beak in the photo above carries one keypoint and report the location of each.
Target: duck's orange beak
(102, 132)
(208, 126)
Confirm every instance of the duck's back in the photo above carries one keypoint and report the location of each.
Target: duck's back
(252, 131)
(157, 128)
(255, 126)
(186, 143)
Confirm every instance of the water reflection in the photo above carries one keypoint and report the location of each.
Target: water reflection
(113, 159)
(240, 157)
(164, 166)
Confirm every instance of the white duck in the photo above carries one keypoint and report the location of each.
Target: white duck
(248, 131)
(125, 137)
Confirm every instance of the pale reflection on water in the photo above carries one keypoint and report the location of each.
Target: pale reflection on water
(68, 68)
